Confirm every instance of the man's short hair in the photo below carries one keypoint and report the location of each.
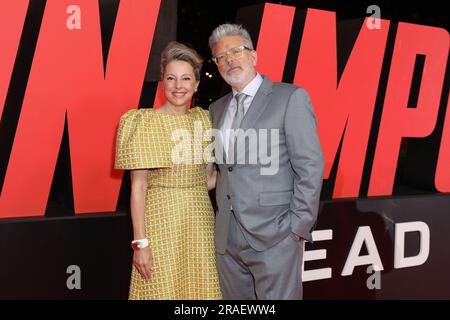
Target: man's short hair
(229, 29)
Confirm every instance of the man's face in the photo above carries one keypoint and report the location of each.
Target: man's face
(237, 72)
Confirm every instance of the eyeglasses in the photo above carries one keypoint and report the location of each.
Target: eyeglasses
(235, 53)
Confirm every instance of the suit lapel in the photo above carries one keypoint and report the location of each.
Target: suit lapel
(258, 105)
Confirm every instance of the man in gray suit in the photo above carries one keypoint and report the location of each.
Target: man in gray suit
(268, 204)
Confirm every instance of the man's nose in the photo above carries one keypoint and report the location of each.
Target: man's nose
(229, 59)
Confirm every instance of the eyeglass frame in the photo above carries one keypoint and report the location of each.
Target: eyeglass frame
(227, 53)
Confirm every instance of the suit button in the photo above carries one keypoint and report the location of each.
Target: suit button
(230, 169)
(228, 197)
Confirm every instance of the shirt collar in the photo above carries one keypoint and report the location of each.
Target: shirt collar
(252, 87)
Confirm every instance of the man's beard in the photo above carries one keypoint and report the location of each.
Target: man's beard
(237, 79)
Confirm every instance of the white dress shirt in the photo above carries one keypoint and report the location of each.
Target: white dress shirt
(250, 90)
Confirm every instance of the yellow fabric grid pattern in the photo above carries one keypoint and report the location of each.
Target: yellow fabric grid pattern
(179, 218)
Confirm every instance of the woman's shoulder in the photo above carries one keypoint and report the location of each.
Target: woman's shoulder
(138, 113)
(200, 112)
(138, 116)
(142, 124)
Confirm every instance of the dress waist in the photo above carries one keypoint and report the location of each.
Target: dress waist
(181, 176)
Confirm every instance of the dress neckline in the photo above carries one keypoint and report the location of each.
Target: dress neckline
(189, 111)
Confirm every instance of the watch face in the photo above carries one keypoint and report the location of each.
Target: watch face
(136, 245)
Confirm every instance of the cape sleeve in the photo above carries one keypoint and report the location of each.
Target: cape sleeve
(141, 142)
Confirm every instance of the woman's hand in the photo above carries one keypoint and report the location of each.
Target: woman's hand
(143, 261)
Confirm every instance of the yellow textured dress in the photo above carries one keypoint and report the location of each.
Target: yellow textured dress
(179, 218)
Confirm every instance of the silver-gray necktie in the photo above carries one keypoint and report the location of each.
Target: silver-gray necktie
(238, 116)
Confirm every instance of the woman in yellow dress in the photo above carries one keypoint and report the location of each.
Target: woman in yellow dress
(168, 151)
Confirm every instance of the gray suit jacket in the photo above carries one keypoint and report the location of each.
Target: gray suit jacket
(270, 206)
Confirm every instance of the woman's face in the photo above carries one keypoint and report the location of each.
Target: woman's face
(179, 83)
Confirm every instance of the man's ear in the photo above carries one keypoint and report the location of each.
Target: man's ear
(255, 57)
